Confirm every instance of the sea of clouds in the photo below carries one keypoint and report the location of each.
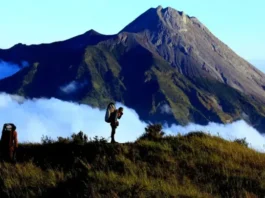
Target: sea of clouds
(53, 117)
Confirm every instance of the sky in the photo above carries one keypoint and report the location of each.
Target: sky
(237, 23)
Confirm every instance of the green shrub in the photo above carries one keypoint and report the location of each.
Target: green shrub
(242, 142)
(153, 132)
(46, 140)
(79, 138)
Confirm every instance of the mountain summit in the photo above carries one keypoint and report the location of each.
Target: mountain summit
(159, 19)
(189, 46)
(165, 64)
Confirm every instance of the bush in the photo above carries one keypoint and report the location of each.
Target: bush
(79, 138)
(242, 142)
(199, 134)
(46, 140)
(96, 139)
(63, 140)
(153, 133)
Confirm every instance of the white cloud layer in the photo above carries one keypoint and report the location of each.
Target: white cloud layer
(72, 87)
(53, 117)
(166, 109)
(8, 69)
(239, 129)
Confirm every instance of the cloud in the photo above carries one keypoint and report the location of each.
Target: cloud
(231, 131)
(166, 109)
(72, 87)
(8, 69)
(54, 118)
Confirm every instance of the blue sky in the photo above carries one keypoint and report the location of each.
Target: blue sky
(239, 24)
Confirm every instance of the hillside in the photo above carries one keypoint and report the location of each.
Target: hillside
(162, 59)
(194, 165)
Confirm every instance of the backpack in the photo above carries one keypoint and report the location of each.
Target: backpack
(9, 127)
(7, 134)
(110, 109)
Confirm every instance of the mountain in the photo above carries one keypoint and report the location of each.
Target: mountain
(195, 52)
(165, 64)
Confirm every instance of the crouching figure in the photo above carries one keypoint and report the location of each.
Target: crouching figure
(9, 142)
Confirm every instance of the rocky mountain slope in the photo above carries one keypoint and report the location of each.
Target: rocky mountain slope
(194, 51)
(166, 65)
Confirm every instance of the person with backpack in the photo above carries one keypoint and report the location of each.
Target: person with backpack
(9, 142)
(112, 116)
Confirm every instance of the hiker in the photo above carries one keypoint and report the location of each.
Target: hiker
(112, 116)
(114, 123)
(9, 142)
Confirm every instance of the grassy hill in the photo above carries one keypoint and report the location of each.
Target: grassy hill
(193, 165)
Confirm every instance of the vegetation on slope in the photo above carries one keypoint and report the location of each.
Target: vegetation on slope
(193, 165)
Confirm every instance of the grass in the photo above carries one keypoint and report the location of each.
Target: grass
(155, 165)
(27, 180)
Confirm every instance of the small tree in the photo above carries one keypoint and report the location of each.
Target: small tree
(79, 138)
(46, 140)
(63, 140)
(153, 132)
(96, 139)
(242, 142)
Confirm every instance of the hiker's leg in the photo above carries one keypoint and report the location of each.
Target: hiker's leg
(113, 130)
(10, 155)
(5, 155)
(14, 156)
